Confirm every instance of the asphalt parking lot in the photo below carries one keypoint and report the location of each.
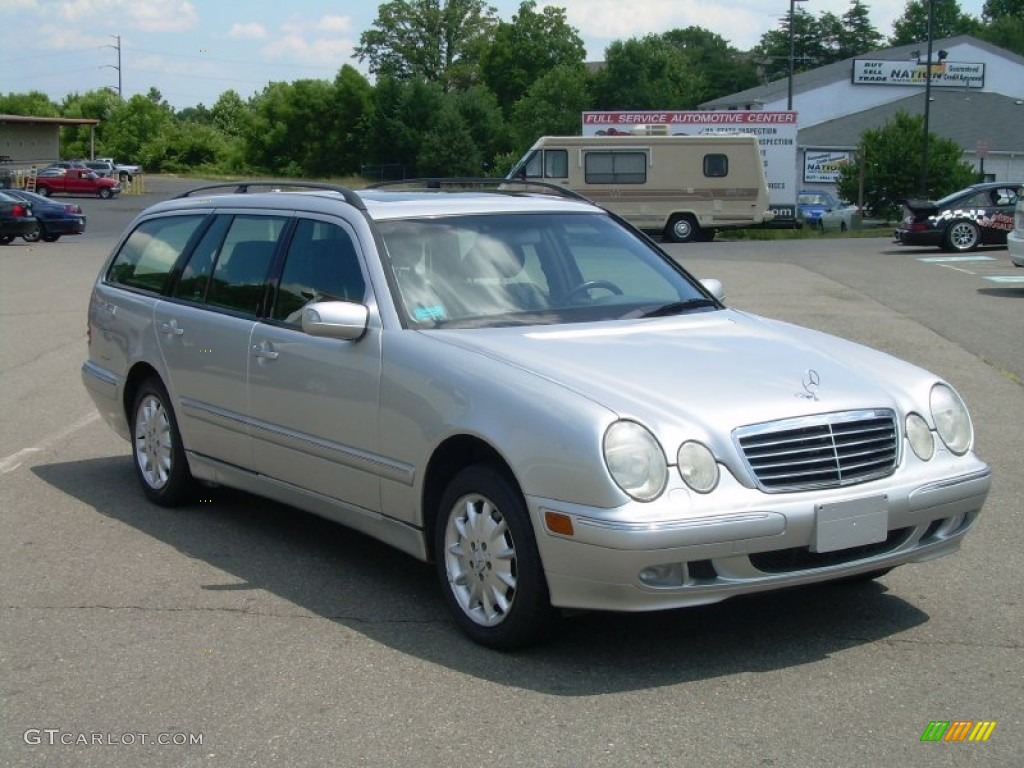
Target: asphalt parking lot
(273, 638)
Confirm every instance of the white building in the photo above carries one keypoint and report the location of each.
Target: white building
(977, 100)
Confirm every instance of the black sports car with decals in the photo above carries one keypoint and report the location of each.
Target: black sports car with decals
(982, 214)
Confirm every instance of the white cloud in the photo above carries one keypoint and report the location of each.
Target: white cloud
(325, 52)
(146, 15)
(250, 31)
(18, 6)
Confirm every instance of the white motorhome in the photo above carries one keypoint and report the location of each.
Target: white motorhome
(682, 187)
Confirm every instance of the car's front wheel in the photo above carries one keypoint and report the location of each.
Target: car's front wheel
(159, 454)
(488, 563)
(962, 236)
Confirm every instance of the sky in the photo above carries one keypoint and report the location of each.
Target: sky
(194, 50)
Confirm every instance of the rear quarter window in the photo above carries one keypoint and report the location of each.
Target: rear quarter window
(148, 255)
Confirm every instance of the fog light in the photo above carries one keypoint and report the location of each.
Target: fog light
(666, 575)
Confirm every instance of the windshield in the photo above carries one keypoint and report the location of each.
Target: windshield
(526, 269)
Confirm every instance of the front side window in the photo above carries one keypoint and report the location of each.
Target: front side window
(615, 167)
(148, 255)
(556, 163)
(321, 265)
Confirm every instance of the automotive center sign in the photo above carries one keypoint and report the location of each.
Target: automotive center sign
(775, 131)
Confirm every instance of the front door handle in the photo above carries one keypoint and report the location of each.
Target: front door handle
(263, 351)
(172, 328)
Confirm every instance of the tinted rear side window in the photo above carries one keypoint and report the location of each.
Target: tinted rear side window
(148, 255)
(239, 276)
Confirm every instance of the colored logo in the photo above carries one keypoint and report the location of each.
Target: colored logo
(958, 730)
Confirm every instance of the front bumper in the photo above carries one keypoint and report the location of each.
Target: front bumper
(702, 560)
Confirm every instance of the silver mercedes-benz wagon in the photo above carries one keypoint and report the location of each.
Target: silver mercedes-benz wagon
(521, 388)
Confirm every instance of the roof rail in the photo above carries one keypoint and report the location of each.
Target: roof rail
(501, 184)
(242, 187)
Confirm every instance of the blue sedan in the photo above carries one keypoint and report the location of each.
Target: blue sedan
(55, 219)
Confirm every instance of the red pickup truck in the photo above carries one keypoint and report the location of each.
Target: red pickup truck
(75, 181)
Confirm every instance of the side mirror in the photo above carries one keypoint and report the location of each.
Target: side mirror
(715, 287)
(336, 320)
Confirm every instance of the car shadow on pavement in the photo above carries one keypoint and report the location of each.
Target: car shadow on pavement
(391, 598)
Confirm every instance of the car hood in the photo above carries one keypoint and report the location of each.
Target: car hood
(703, 371)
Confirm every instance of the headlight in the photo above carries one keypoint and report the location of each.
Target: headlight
(952, 421)
(635, 460)
(697, 467)
(920, 437)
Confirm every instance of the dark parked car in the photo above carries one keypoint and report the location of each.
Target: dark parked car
(982, 214)
(54, 219)
(16, 218)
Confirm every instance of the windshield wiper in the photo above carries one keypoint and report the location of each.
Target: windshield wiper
(675, 308)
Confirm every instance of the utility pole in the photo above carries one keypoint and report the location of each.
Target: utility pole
(927, 102)
(118, 67)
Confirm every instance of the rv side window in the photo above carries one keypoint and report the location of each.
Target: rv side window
(556, 164)
(716, 165)
(615, 167)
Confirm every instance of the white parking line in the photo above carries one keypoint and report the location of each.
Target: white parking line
(945, 259)
(15, 460)
(1005, 278)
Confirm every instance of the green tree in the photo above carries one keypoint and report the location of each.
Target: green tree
(1003, 24)
(33, 103)
(947, 21)
(186, 145)
(435, 40)
(81, 140)
(133, 124)
(551, 107)
(294, 129)
(447, 148)
(230, 114)
(772, 51)
(647, 73)
(402, 111)
(724, 69)
(524, 49)
(859, 34)
(488, 131)
(891, 157)
(353, 102)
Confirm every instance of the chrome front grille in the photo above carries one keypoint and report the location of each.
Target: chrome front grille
(823, 451)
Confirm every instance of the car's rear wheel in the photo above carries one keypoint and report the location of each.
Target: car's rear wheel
(487, 561)
(105, 193)
(682, 228)
(35, 234)
(159, 454)
(962, 236)
(6, 239)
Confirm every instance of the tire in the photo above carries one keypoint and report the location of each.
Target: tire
(44, 191)
(124, 177)
(6, 239)
(105, 193)
(842, 226)
(488, 564)
(961, 236)
(157, 450)
(51, 238)
(35, 235)
(682, 228)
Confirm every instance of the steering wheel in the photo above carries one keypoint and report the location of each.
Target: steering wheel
(590, 285)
